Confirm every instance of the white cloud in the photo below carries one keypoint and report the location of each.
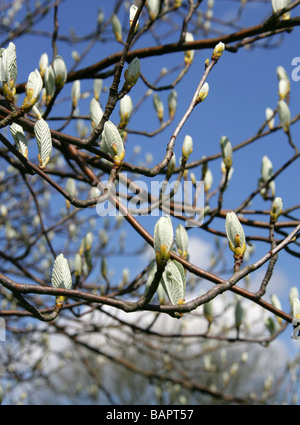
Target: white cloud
(200, 252)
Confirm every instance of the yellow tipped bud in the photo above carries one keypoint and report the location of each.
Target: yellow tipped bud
(218, 51)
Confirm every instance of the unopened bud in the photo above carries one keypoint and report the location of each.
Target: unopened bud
(163, 238)
(218, 51)
(203, 92)
(276, 209)
(235, 234)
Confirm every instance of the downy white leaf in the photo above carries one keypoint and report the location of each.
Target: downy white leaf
(113, 139)
(19, 138)
(8, 67)
(173, 281)
(61, 275)
(44, 141)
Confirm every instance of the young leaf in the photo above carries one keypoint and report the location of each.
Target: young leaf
(19, 138)
(61, 275)
(174, 283)
(44, 142)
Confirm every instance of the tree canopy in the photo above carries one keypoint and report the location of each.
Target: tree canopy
(149, 206)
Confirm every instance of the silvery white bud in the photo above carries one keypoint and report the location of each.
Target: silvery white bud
(8, 65)
(163, 237)
(203, 92)
(100, 17)
(226, 149)
(266, 168)
(281, 73)
(113, 142)
(182, 241)
(75, 93)
(88, 241)
(234, 368)
(3, 211)
(270, 117)
(277, 304)
(44, 142)
(208, 180)
(43, 63)
(98, 83)
(158, 106)
(187, 147)
(60, 72)
(71, 186)
(284, 88)
(218, 50)
(189, 54)
(239, 314)
(33, 89)
(8, 71)
(49, 81)
(61, 277)
(294, 293)
(19, 138)
(153, 8)
(284, 115)
(172, 103)
(75, 56)
(296, 308)
(132, 11)
(125, 109)
(103, 267)
(235, 234)
(280, 4)
(276, 209)
(117, 28)
(78, 264)
(96, 112)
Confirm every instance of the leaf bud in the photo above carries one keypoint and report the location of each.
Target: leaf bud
(33, 89)
(19, 138)
(203, 92)
(113, 142)
(226, 149)
(61, 277)
(284, 115)
(187, 147)
(189, 54)
(132, 11)
(218, 51)
(132, 74)
(158, 106)
(276, 209)
(117, 28)
(60, 72)
(235, 234)
(163, 238)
